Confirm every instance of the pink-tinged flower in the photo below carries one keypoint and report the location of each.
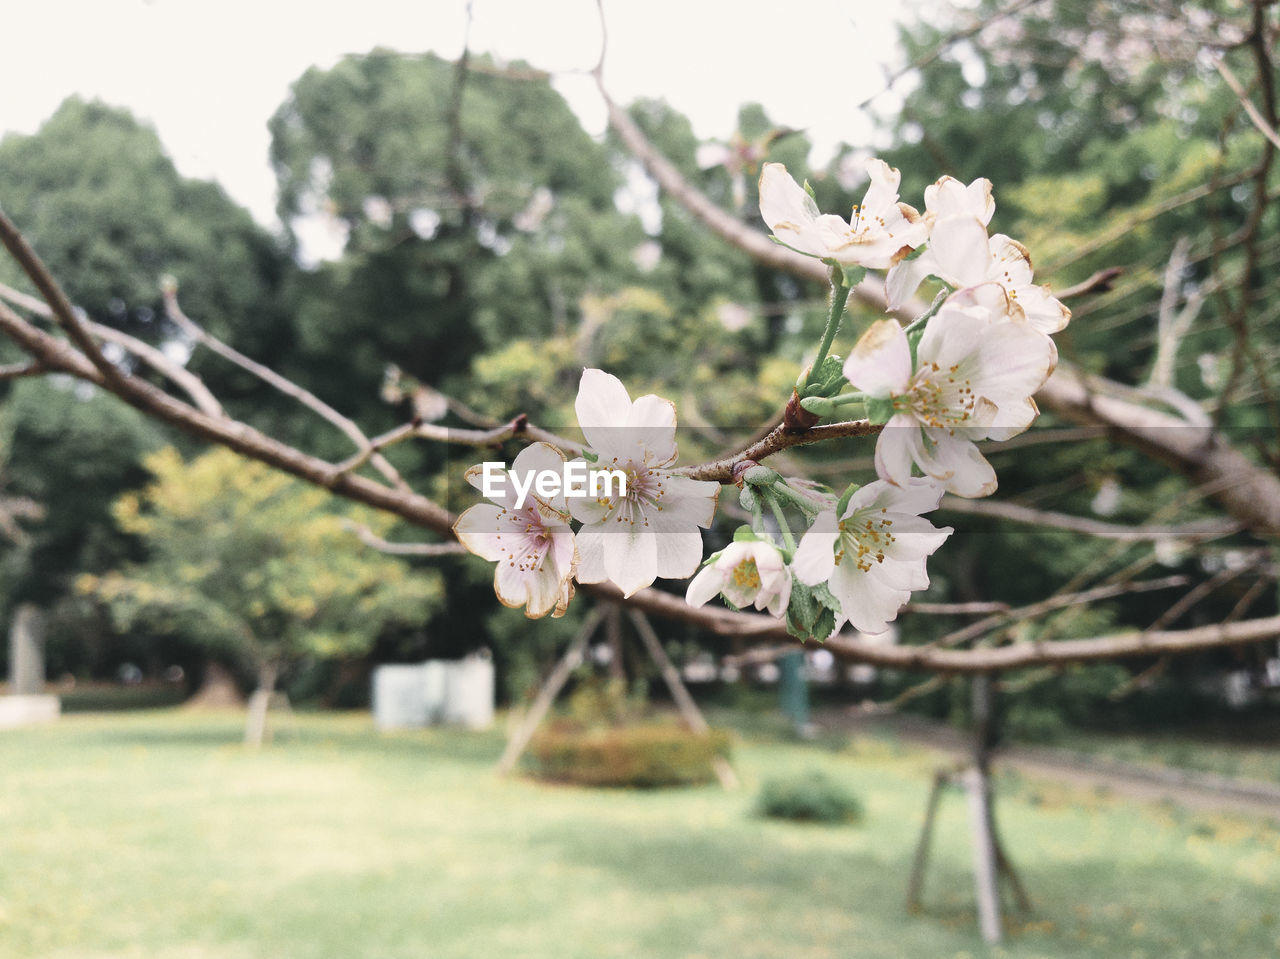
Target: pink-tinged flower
(651, 530)
(872, 556)
(960, 253)
(532, 544)
(746, 573)
(878, 233)
(977, 365)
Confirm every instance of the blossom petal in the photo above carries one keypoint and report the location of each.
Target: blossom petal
(905, 277)
(480, 529)
(896, 448)
(788, 210)
(689, 500)
(966, 471)
(705, 586)
(814, 558)
(870, 608)
(590, 541)
(631, 557)
(602, 406)
(677, 547)
(960, 249)
(880, 362)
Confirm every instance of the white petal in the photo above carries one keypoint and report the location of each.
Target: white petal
(630, 557)
(1014, 360)
(591, 543)
(687, 500)
(779, 600)
(870, 608)
(896, 449)
(564, 551)
(880, 363)
(1042, 310)
(960, 249)
(915, 496)
(814, 558)
(602, 406)
(967, 473)
(904, 278)
(677, 552)
(788, 210)
(704, 586)
(484, 530)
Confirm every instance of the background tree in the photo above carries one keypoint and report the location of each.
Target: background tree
(256, 566)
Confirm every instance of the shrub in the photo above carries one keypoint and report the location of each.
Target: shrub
(809, 797)
(647, 755)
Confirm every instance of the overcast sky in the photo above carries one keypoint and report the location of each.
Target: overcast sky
(209, 75)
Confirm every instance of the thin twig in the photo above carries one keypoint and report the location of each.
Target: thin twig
(370, 538)
(1033, 610)
(1192, 531)
(282, 385)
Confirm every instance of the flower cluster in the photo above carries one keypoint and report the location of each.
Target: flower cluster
(643, 527)
(965, 371)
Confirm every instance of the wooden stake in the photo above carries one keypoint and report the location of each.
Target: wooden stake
(680, 694)
(550, 689)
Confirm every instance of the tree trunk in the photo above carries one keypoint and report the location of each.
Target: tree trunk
(255, 728)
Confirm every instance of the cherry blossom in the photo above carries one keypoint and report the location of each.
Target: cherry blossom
(961, 254)
(878, 233)
(747, 573)
(653, 529)
(872, 555)
(977, 365)
(533, 545)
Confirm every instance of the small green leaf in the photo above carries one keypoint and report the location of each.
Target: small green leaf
(843, 502)
(879, 410)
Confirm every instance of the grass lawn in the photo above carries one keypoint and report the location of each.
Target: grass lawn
(1220, 750)
(158, 836)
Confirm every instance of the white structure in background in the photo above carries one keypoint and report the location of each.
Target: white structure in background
(450, 692)
(27, 702)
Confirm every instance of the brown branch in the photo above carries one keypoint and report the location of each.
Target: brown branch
(281, 384)
(1250, 109)
(1033, 610)
(191, 384)
(372, 539)
(778, 439)
(15, 371)
(67, 316)
(1196, 530)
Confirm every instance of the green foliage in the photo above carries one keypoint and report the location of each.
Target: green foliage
(246, 560)
(645, 755)
(811, 796)
(73, 450)
(104, 206)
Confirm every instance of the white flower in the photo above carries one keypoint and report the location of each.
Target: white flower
(652, 530)
(977, 366)
(533, 545)
(873, 555)
(748, 573)
(961, 254)
(879, 233)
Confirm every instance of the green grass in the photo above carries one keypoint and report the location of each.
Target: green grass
(158, 836)
(1211, 751)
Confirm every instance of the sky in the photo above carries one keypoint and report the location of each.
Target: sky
(208, 76)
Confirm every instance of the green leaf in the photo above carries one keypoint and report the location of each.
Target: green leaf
(843, 502)
(879, 410)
